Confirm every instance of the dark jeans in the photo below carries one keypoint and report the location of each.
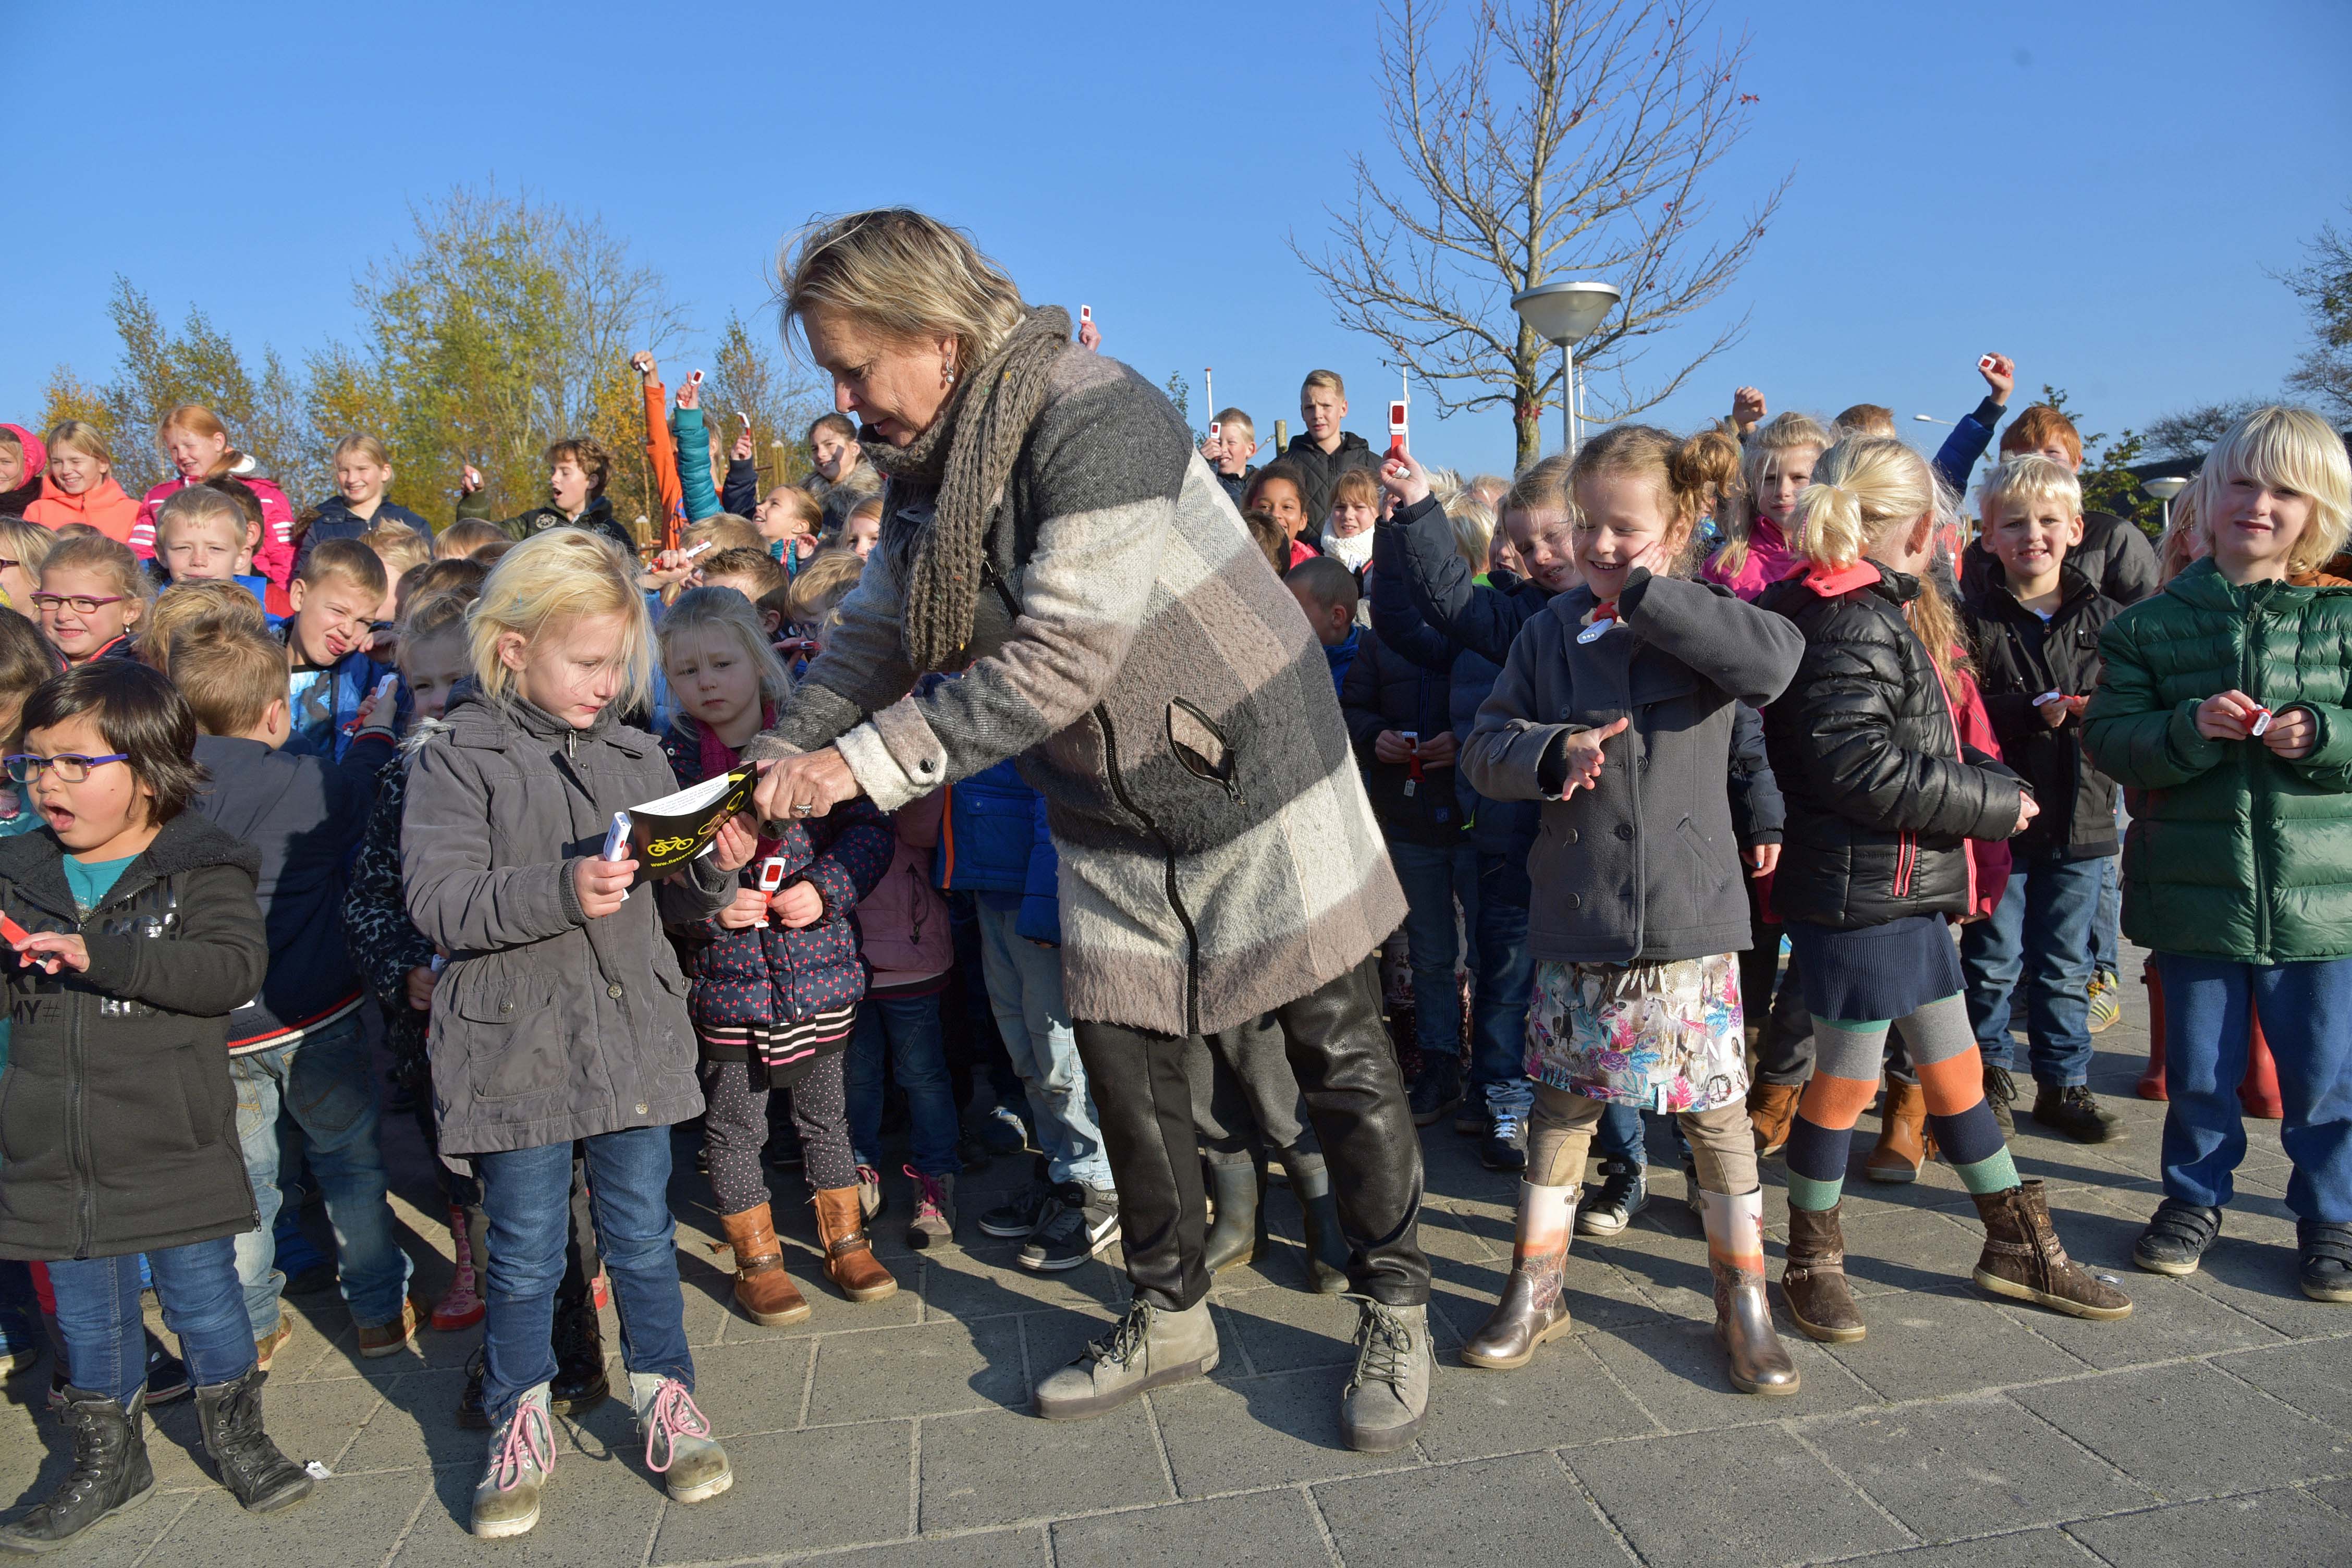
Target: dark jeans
(1339, 1052)
(2307, 1010)
(527, 1192)
(907, 1030)
(2041, 931)
(106, 1338)
(1784, 1052)
(1433, 879)
(1502, 984)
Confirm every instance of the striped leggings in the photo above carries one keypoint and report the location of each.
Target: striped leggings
(1845, 1079)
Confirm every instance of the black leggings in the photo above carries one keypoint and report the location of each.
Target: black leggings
(735, 1130)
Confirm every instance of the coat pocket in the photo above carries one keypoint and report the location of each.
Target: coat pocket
(1711, 875)
(513, 1040)
(1201, 747)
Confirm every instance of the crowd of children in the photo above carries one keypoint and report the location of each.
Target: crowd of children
(289, 788)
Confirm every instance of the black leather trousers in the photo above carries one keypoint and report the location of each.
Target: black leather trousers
(1338, 1050)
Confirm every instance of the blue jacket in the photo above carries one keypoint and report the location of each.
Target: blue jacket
(994, 840)
(305, 816)
(328, 734)
(335, 519)
(1957, 457)
(742, 483)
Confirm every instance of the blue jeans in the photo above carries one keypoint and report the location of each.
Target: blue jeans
(1024, 987)
(106, 1338)
(527, 1195)
(2307, 1010)
(2042, 931)
(908, 1028)
(2107, 937)
(326, 1081)
(1503, 985)
(1433, 880)
(1619, 1136)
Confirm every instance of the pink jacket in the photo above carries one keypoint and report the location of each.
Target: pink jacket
(1990, 860)
(1768, 560)
(274, 560)
(904, 921)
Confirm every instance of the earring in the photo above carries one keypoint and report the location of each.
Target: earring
(947, 373)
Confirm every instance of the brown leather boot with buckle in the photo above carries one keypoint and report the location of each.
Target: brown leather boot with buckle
(849, 1260)
(1820, 1301)
(2024, 1258)
(1772, 1110)
(762, 1289)
(1902, 1145)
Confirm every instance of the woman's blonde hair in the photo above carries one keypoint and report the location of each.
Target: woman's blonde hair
(1771, 443)
(725, 613)
(1688, 473)
(904, 276)
(84, 437)
(2285, 448)
(198, 420)
(550, 581)
(1866, 487)
(366, 447)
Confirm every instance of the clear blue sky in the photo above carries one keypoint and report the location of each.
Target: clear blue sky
(2095, 188)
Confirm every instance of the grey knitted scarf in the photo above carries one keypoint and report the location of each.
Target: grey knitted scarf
(966, 455)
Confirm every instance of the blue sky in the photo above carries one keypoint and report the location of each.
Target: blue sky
(2096, 189)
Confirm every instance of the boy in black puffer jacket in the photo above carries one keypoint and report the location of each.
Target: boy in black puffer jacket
(2035, 626)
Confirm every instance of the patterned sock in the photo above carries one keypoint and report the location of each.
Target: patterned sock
(1951, 1079)
(1846, 1077)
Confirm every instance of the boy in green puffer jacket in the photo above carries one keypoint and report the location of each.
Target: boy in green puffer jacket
(2226, 711)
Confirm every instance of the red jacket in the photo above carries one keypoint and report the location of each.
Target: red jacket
(274, 559)
(104, 506)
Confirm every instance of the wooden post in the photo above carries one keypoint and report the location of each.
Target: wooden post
(1281, 435)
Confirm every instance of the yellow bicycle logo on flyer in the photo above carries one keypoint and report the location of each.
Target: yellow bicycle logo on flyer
(662, 848)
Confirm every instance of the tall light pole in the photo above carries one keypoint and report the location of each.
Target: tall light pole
(2163, 490)
(1566, 313)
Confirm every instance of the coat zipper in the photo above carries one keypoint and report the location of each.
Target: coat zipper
(1168, 853)
(2249, 682)
(78, 1130)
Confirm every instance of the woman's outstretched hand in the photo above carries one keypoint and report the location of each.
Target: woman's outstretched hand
(811, 785)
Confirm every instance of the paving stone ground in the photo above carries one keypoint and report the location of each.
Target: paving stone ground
(2213, 1426)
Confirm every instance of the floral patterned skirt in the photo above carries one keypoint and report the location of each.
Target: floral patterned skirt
(1664, 1036)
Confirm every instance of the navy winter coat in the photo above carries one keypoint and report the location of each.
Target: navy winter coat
(334, 519)
(994, 840)
(1386, 690)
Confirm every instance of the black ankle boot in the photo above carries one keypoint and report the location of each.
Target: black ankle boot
(110, 1472)
(580, 1383)
(1238, 1235)
(1327, 1244)
(250, 1465)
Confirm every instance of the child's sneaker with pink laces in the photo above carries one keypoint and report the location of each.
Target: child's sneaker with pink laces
(521, 1458)
(679, 1445)
(935, 1216)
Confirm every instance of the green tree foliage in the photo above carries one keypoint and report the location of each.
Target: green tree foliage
(504, 324)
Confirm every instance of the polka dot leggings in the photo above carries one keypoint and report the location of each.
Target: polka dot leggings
(735, 1131)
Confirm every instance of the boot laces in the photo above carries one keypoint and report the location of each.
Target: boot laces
(1999, 1084)
(674, 1415)
(89, 1457)
(1383, 1345)
(929, 1198)
(1127, 1336)
(528, 1446)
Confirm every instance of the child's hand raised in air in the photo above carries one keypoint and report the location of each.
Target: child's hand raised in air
(1584, 757)
(1747, 408)
(1406, 480)
(742, 451)
(797, 905)
(603, 885)
(53, 949)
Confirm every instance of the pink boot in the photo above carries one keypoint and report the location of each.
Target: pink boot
(462, 1308)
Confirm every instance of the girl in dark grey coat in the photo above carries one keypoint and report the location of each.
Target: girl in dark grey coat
(562, 1015)
(1624, 690)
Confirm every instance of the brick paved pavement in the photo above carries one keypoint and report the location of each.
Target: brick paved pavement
(2213, 1426)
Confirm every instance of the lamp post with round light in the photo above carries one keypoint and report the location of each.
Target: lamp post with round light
(1566, 313)
(2163, 490)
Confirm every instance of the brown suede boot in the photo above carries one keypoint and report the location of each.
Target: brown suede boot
(762, 1289)
(1902, 1146)
(1814, 1286)
(2024, 1259)
(849, 1260)
(1771, 1109)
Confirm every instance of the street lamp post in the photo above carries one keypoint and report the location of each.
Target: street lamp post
(1566, 313)
(2163, 490)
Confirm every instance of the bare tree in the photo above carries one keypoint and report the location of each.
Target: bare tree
(1564, 137)
(2325, 285)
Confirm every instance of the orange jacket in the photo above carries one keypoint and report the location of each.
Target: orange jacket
(661, 451)
(104, 506)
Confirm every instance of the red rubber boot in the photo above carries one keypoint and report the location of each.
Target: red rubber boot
(2151, 1078)
(2259, 1092)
